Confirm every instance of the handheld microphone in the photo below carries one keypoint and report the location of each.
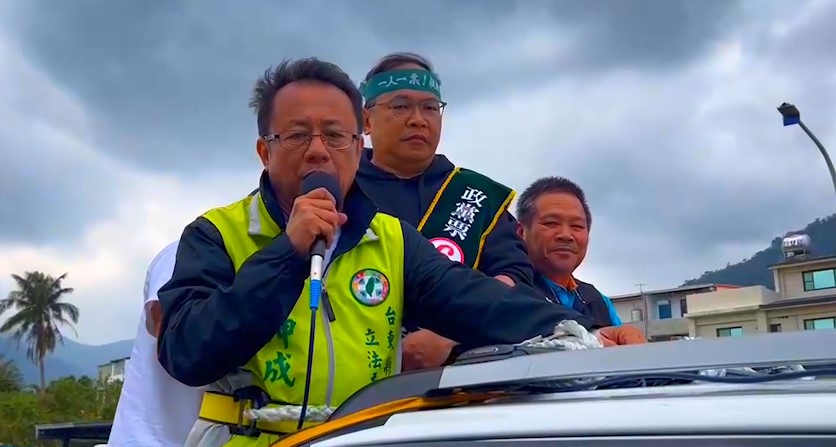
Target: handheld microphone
(312, 181)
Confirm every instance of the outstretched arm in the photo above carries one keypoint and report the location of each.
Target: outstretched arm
(463, 304)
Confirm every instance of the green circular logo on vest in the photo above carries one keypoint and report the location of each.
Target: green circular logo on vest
(370, 287)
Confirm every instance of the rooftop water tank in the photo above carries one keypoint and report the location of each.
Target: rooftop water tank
(796, 245)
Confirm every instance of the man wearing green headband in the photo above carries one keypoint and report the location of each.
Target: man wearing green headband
(462, 212)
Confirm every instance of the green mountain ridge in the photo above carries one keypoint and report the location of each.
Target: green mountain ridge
(70, 359)
(755, 270)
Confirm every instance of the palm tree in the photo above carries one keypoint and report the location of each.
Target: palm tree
(40, 309)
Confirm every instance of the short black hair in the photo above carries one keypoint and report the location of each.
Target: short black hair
(527, 202)
(307, 69)
(393, 60)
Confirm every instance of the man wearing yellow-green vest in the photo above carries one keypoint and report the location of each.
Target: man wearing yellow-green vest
(236, 315)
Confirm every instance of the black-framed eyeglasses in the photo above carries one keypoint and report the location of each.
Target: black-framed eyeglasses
(299, 139)
(404, 108)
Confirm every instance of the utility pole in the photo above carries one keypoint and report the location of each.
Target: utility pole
(645, 316)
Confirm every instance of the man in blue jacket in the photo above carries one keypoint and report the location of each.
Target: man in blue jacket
(462, 212)
(554, 220)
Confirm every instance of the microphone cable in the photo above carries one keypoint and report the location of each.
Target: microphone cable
(312, 181)
(315, 295)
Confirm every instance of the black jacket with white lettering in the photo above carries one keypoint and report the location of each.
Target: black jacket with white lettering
(215, 320)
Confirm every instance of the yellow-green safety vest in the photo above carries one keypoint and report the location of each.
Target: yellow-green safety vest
(364, 287)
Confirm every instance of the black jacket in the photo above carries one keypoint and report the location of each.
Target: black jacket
(215, 320)
(588, 300)
(504, 252)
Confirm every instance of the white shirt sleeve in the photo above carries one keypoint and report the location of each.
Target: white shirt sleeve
(159, 272)
(154, 409)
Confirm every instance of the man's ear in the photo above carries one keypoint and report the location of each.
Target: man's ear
(367, 123)
(263, 151)
(361, 143)
(520, 231)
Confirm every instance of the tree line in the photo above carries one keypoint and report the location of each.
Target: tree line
(69, 399)
(38, 313)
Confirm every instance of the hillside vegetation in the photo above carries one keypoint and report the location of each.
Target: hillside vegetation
(755, 270)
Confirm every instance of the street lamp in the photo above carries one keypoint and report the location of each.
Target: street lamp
(793, 116)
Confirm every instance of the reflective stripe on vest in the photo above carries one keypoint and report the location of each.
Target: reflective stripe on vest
(364, 286)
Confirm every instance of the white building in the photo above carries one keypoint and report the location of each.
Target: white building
(666, 309)
(113, 370)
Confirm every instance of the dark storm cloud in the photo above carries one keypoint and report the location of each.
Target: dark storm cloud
(807, 42)
(145, 75)
(169, 81)
(644, 33)
(50, 191)
(803, 54)
(686, 166)
(166, 86)
(52, 184)
(685, 170)
(583, 38)
(676, 191)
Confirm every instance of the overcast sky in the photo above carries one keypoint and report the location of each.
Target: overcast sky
(120, 122)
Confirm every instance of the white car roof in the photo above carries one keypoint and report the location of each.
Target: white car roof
(789, 406)
(773, 409)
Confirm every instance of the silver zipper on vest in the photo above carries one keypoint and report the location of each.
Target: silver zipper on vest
(326, 325)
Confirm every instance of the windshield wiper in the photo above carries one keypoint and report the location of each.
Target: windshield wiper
(667, 379)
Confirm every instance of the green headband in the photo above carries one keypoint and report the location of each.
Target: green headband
(390, 81)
